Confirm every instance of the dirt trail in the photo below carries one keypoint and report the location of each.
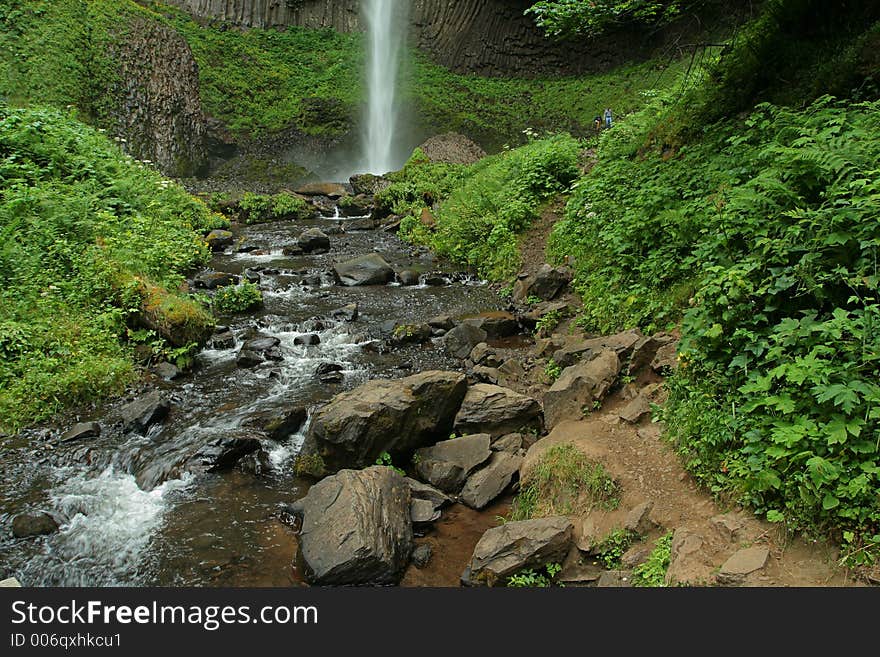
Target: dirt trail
(705, 534)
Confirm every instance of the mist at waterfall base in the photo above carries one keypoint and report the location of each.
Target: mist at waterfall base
(387, 136)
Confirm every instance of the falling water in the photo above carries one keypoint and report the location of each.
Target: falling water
(385, 27)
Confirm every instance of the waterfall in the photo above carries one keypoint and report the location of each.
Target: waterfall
(386, 28)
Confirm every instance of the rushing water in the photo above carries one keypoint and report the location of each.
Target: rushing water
(130, 511)
(386, 34)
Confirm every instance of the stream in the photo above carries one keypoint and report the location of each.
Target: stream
(130, 515)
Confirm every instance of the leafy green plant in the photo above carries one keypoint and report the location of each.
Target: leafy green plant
(385, 459)
(652, 573)
(90, 242)
(239, 298)
(613, 546)
(564, 481)
(548, 323)
(531, 578)
(482, 207)
(552, 370)
(568, 18)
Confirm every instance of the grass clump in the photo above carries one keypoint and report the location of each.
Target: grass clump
(564, 481)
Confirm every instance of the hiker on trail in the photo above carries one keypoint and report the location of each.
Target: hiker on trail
(597, 124)
(608, 118)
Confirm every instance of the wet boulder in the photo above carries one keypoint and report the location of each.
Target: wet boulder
(497, 411)
(313, 240)
(26, 525)
(330, 372)
(408, 277)
(80, 431)
(223, 453)
(257, 349)
(329, 189)
(461, 340)
(308, 340)
(358, 205)
(224, 340)
(279, 425)
(213, 279)
(218, 240)
(347, 313)
(356, 528)
(368, 183)
(370, 269)
(398, 416)
(448, 464)
(143, 413)
(514, 546)
(167, 371)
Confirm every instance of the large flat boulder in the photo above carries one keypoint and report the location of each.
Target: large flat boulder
(356, 528)
(579, 387)
(397, 417)
(448, 464)
(497, 411)
(514, 546)
(370, 269)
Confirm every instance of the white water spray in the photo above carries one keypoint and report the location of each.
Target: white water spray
(386, 27)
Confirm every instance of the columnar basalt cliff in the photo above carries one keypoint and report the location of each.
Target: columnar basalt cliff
(489, 37)
(157, 107)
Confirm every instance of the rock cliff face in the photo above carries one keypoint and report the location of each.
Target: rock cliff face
(157, 108)
(489, 37)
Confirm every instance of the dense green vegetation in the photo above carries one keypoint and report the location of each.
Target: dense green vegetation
(760, 234)
(59, 53)
(259, 81)
(497, 111)
(485, 205)
(90, 241)
(560, 18)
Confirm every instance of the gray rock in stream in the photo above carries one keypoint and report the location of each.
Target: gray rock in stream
(461, 340)
(26, 525)
(224, 453)
(141, 414)
(356, 528)
(370, 269)
(314, 240)
(80, 431)
(394, 416)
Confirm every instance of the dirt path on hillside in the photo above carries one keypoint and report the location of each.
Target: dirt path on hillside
(712, 545)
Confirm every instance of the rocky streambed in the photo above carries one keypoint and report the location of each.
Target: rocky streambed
(369, 425)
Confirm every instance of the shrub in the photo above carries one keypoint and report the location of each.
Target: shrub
(80, 225)
(237, 298)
